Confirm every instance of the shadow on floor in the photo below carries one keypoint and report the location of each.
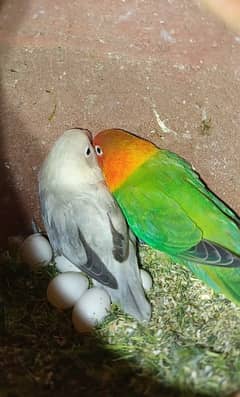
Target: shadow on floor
(41, 355)
(12, 212)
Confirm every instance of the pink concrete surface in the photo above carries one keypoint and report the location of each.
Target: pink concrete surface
(163, 69)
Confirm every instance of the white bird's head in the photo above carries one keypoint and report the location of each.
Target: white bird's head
(71, 161)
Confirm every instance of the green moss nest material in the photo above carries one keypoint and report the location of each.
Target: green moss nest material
(191, 347)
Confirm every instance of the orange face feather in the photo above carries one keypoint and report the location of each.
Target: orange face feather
(122, 153)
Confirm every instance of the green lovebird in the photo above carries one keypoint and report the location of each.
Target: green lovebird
(168, 207)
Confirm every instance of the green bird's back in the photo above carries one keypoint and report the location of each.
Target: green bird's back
(169, 207)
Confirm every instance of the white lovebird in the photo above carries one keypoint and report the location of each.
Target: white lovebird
(85, 224)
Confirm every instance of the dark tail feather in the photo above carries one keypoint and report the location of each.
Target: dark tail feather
(213, 254)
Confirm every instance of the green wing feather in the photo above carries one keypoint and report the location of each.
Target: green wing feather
(155, 225)
(169, 207)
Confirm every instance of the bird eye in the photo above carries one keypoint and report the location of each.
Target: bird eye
(87, 151)
(98, 150)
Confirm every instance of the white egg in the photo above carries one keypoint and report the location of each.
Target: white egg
(66, 288)
(36, 250)
(90, 309)
(64, 265)
(147, 282)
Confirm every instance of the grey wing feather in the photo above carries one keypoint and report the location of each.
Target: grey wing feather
(120, 233)
(120, 248)
(209, 253)
(66, 238)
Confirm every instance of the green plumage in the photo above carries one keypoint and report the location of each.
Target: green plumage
(169, 207)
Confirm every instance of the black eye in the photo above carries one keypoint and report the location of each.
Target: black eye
(98, 150)
(87, 151)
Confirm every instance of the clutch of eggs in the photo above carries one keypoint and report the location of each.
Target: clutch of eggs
(70, 288)
(90, 306)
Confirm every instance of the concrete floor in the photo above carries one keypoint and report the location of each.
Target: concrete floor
(164, 69)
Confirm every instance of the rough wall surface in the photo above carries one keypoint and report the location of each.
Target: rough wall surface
(166, 70)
